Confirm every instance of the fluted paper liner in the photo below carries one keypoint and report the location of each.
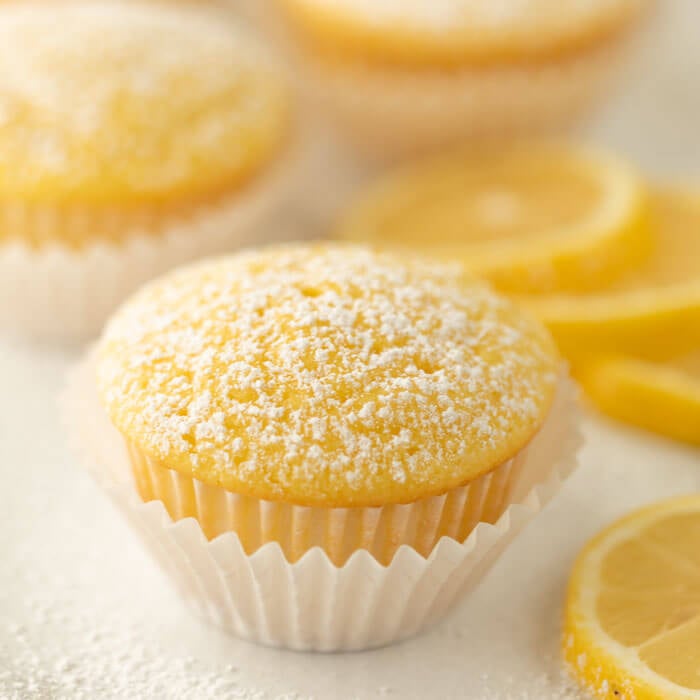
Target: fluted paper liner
(312, 603)
(393, 115)
(58, 292)
(339, 531)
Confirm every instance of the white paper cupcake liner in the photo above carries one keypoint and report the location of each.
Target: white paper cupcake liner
(338, 531)
(390, 114)
(60, 293)
(312, 604)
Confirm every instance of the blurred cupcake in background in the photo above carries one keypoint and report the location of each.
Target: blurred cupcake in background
(132, 138)
(400, 76)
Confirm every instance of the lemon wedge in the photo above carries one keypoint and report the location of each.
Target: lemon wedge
(632, 618)
(654, 310)
(529, 218)
(662, 397)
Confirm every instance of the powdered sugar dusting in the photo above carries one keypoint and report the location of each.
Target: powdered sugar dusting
(130, 96)
(334, 372)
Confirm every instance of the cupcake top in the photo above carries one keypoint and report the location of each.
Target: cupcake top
(326, 375)
(108, 102)
(444, 32)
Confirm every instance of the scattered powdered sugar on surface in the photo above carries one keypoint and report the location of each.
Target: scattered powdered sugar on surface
(76, 621)
(84, 610)
(336, 368)
(128, 93)
(117, 665)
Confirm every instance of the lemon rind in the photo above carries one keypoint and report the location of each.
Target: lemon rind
(652, 396)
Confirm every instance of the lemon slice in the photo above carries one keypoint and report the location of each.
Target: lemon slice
(664, 398)
(530, 219)
(654, 310)
(632, 620)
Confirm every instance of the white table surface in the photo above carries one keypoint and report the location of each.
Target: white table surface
(84, 614)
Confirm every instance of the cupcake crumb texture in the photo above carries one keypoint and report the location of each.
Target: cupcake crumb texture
(326, 375)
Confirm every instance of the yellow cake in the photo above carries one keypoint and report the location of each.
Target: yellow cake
(121, 121)
(326, 378)
(405, 75)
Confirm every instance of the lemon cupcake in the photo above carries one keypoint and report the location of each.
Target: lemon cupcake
(343, 412)
(398, 76)
(132, 138)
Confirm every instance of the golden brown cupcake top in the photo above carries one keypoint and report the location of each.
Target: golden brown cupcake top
(326, 375)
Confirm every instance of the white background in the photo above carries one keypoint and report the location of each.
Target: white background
(84, 613)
